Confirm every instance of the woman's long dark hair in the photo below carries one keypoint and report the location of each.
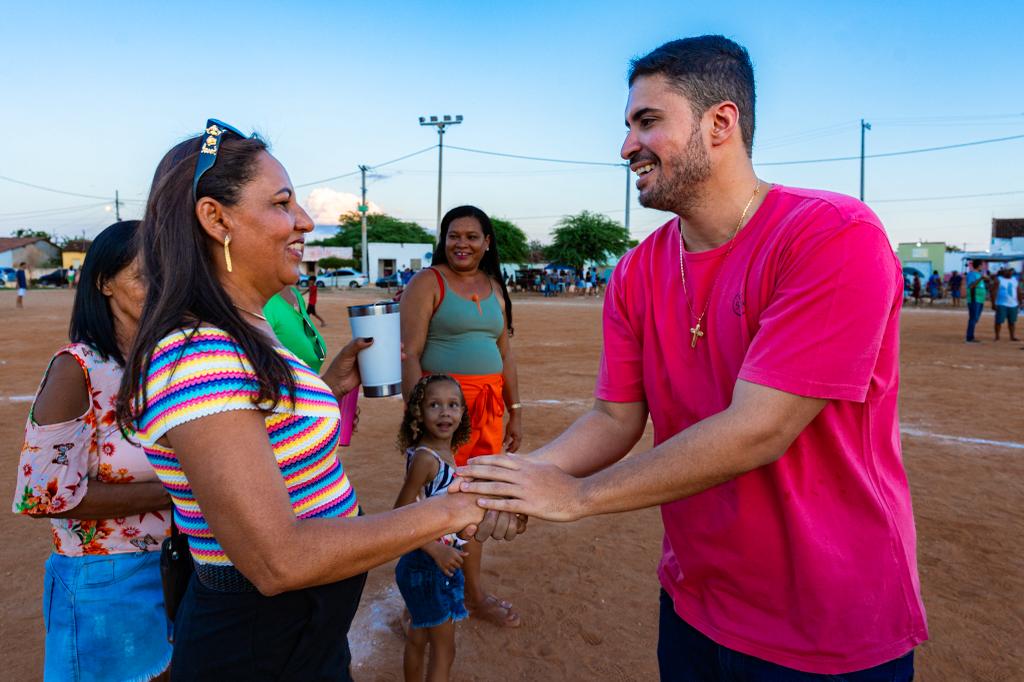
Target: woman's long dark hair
(91, 320)
(183, 289)
(491, 263)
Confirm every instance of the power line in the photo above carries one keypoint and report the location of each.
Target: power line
(50, 189)
(357, 171)
(49, 211)
(904, 152)
(949, 196)
(536, 158)
(403, 158)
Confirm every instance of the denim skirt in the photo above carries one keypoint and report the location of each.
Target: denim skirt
(431, 596)
(104, 618)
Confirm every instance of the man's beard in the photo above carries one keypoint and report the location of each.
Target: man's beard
(681, 194)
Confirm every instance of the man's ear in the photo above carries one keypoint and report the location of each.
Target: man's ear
(725, 122)
(212, 219)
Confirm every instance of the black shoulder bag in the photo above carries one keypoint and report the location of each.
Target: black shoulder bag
(175, 569)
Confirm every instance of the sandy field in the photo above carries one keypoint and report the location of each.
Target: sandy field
(587, 592)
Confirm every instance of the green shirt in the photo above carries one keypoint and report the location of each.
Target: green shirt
(980, 292)
(295, 330)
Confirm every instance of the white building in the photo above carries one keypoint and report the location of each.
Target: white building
(386, 258)
(35, 252)
(312, 254)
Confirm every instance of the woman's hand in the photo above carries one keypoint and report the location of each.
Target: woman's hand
(466, 511)
(513, 431)
(342, 375)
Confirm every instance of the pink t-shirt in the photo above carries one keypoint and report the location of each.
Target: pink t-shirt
(808, 562)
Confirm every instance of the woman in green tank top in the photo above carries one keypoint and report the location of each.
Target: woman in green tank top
(457, 320)
(287, 316)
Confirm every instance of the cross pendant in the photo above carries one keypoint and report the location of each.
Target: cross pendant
(695, 333)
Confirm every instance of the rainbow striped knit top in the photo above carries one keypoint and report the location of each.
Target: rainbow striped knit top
(194, 375)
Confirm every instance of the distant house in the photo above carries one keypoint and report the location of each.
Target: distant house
(1007, 234)
(74, 253)
(35, 252)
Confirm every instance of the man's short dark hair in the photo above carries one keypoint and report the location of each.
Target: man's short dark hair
(707, 70)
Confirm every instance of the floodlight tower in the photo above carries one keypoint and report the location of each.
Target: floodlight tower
(441, 122)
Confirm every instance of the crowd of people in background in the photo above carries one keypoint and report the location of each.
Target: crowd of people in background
(981, 283)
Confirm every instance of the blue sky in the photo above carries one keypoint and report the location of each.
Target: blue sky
(94, 93)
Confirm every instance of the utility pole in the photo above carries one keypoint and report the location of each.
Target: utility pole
(628, 178)
(362, 210)
(117, 206)
(441, 122)
(864, 126)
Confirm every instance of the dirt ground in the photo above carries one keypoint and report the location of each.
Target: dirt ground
(587, 592)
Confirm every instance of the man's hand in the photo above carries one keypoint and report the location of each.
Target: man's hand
(527, 486)
(447, 558)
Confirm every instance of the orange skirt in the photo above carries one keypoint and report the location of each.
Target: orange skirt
(486, 413)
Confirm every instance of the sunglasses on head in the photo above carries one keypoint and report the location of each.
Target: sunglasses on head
(318, 344)
(214, 131)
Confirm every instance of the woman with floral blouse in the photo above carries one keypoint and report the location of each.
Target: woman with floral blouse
(102, 600)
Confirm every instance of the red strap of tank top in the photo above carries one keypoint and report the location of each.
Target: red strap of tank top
(440, 283)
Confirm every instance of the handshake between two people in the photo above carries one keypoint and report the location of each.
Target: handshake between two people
(511, 488)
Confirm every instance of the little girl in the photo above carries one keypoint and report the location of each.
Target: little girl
(430, 579)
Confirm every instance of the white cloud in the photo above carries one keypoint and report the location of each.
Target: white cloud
(325, 205)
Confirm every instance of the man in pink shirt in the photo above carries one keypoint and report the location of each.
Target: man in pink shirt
(743, 329)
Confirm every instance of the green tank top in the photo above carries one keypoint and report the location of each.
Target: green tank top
(295, 330)
(463, 337)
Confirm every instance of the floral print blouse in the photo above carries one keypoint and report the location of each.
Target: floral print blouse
(59, 460)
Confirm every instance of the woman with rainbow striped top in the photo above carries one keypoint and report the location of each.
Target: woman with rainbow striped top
(243, 434)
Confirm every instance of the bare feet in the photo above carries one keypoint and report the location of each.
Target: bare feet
(495, 611)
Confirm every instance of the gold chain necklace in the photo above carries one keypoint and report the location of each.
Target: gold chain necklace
(696, 332)
(250, 312)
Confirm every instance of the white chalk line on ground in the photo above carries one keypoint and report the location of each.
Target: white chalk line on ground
(918, 433)
(906, 430)
(375, 617)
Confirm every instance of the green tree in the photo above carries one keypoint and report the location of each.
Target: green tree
(332, 263)
(380, 227)
(537, 252)
(512, 245)
(587, 237)
(35, 234)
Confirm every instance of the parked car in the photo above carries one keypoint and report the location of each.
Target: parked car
(8, 277)
(388, 281)
(57, 278)
(345, 277)
(304, 280)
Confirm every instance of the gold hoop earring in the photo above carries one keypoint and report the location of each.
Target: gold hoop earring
(227, 251)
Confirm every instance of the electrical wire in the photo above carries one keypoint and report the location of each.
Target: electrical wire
(949, 196)
(49, 211)
(536, 158)
(56, 191)
(356, 172)
(904, 152)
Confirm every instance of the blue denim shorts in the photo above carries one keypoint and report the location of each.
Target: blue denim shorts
(104, 618)
(431, 597)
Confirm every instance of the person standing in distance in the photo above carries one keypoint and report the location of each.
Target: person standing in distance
(772, 384)
(22, 282)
